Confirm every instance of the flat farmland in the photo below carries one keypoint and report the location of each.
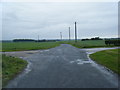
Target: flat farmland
(88, 43)
(20, 46)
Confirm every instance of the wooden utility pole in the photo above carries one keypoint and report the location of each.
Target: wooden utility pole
(69, 34)
(61, 35)
(75, 33)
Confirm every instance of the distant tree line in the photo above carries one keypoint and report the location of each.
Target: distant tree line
(23, 40)
(96, 38)
(44, 40)
(112, 42)
(32, 40)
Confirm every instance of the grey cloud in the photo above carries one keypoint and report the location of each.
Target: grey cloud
(48, 19)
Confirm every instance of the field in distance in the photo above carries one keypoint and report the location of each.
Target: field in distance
(88, 43)
(21, 46)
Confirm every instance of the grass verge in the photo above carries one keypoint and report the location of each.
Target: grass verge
(108, 58)
(11, 66)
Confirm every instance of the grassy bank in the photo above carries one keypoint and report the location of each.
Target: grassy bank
(108, 58)
(20, 46)
(11, 67)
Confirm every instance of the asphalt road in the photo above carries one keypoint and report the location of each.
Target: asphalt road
(63, 67)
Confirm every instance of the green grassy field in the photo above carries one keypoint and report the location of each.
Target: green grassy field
(11, 66)
(20, 46)
(108, 58)
(88, 44)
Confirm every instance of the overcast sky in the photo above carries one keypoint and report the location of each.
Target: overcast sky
(48, 19)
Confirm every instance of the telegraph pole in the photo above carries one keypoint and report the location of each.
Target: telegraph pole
(69, 33)
(75, 33)
(61, 35)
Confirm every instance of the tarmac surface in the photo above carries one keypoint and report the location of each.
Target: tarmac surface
(63, 67)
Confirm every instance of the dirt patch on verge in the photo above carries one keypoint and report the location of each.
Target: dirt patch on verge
(21, 54)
